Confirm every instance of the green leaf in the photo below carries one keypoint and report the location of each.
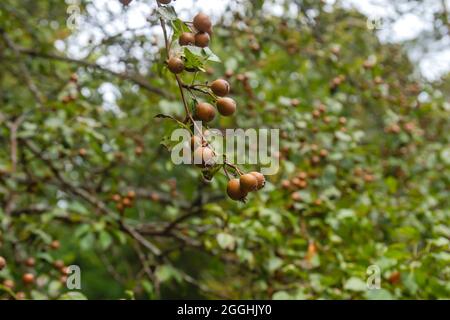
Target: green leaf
(210, 172)
(355, 284)
(149, 288)
(226, 241)
(165, 116)
(379, 294)
(78, 208)
(43, 235)
(274, 263)
(36, 295)
(166, 272)
(193, 60)
(179, 27)
(345, 213)
(281, 295)
(45, 256)
(87, 242)
(105, 240)
(73, 295)
(210, 56)
(167, 13)
(54, 288)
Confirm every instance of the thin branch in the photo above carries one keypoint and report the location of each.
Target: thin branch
(136, 78)
(91, 199)
(25, 74)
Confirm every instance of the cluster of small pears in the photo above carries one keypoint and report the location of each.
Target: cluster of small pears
(200, 35)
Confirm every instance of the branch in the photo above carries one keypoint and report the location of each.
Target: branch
(25, 74)
(136, 78)
(91, 199)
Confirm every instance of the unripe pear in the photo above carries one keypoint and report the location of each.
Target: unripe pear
(2, 263)
(220, 87)
(196, 142)
(28, 278)
(8, 283)
(59, 264)
(30, 262)
(234, 190)
(226, 106)
(205, 112)
(202, 39)
(260, 178)
(21, 295)
(202, 22)
(204, 157)
(187, 38)
(175, 65)
(55, 244)
(248, 182)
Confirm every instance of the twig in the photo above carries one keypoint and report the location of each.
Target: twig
(136, 78)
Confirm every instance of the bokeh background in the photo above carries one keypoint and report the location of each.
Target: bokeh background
(359, 89)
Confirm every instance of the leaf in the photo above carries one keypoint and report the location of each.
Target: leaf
(121, 237)
(345, 213)
(226, 241)
(54, 123)
(210, 172)
(202, 54)
(43, 235)
(149, 288)
(105, 240)
(179, 27)
(410, 283)
(45, 256)
(281, 295)
(210, 56)
(78, 208)
(343, 136)
(36, 295)
(165, 116)
(130, 294)
(54, 288)
(73, 295)
(379, 294)
(87, 242)
(355, 284)
(274, 263)
(391, 183)
(81, 230)
(167, 141)
(442, 256)
(192, 60)
(445, 155)
(167, 13)
(166, 272)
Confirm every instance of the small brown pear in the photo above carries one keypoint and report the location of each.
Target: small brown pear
(175, 65)
(220, 87)
(205, 112)
(226, 106)
(202, 22)
(248, 182)
(234, 190)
